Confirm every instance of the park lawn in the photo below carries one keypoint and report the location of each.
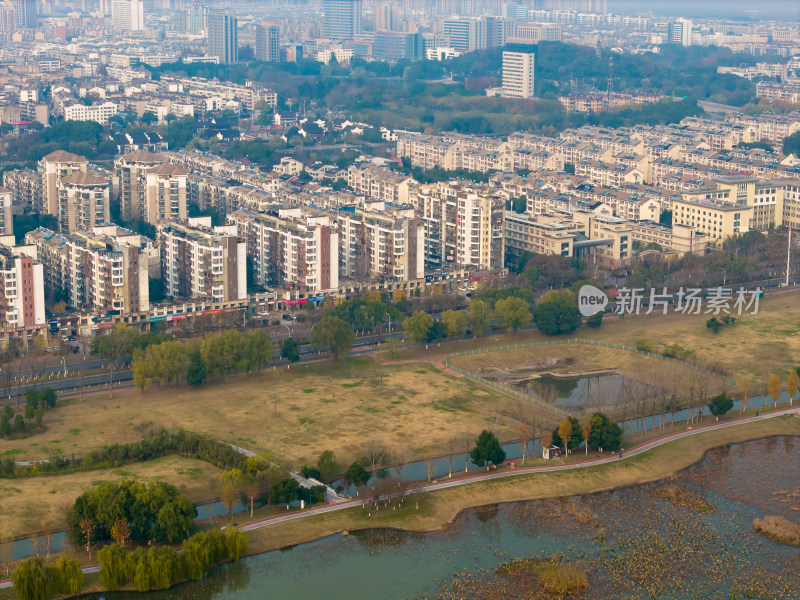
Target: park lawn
(30, 501)
(293, 414)
(754, 348)
(437, 509)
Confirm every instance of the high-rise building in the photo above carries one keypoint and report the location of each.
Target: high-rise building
(105, 268)
(395, 45)
(83, 201)
(223, 41)
(131, 171)
(127, 15)
(297, 246)
(387, 17)
(680, 32)
(21, 290)
(342, 19)
(6, 217)
(165, 193)
(196, 18)
(268, 42)
(8, 19)
(518, 73)
(465, 34)
(26, 14)
(198, 261)
(53, 166)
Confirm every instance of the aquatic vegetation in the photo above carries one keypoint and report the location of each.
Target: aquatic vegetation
(778, 529)
(686, 498)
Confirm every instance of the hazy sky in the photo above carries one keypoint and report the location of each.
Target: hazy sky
(787, 10)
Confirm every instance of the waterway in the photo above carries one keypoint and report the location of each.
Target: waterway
(633, 543)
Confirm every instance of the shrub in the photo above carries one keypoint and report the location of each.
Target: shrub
(779, 530)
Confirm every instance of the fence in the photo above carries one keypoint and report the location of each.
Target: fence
(560, 413)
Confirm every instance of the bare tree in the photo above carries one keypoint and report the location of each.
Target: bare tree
(374, 457)
(468, 442)
(452, 444)
(523, 441)
(401, 458)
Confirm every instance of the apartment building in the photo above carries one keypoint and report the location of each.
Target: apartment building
(376, 182)
(202, 262)
(518, 73)
(104, 269)
(52, 167)
(6, 216)
(381, 242)
(131, 172)
(165, 193)
(298, 247)
(21, 291)
(26, 190)
(99, 113)
(84, 201)
(463, 225)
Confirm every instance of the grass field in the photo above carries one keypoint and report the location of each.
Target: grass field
(28, 502)
(292, 414)
(754, 348)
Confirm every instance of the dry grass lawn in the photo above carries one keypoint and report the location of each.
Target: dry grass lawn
(757, 346)
(320, 406)
(28, 502)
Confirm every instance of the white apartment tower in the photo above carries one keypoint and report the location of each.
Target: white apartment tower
(518, 74)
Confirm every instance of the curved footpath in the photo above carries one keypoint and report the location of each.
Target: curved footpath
(485, 476)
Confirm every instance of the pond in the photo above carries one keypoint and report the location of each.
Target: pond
(633, 543)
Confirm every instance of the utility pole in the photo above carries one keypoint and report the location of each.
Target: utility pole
(788, 256)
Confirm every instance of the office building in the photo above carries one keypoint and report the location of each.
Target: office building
(465, 33)
(83, 201)
(342, 19)
(26, 14)
(518, 73)
(196, 18)
(680, 32)
(268, 43)
(127, 15)
(223, 37)
(202, 262)
(395, 45)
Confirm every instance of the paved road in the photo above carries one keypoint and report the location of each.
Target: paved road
(485, 476)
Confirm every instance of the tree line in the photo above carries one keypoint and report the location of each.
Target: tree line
(152, 445)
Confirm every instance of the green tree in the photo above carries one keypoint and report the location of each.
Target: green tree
(255, 464)
(67, 576)
(19, 423)
(31, 580)
(557, 313)
(327, 466)
(720, 404)
(478, 315)
(259, 350)
(356, 474)
(456, 323)
(196, 374)
(605, 433)
(290, 350)
(285, 490)
(791, 144)
(332, 334)
(487, 450)
(417, 326)
(512, 313)
(233, 484)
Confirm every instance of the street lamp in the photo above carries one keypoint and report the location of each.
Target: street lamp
(388, 316)
(649, 283)
(724, 276)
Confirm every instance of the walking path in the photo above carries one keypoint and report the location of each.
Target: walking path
(485, 476)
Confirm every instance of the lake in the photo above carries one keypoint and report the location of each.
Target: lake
(633, 543)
